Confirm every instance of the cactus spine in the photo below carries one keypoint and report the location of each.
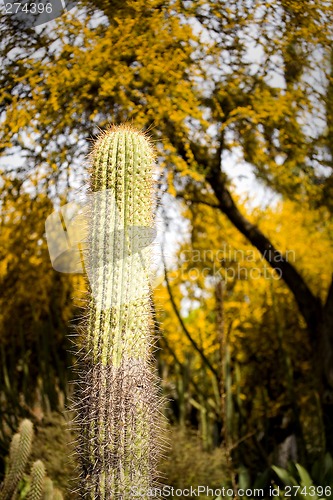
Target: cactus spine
(118, 416)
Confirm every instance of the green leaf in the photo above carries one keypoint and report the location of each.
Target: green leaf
(244, 480)
(286, 478)
(304, 475)
(263, 479)
(328, 466)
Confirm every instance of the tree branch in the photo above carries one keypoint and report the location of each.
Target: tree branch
(329, 299)
(195, 201)
(182, 324)
(309, 305)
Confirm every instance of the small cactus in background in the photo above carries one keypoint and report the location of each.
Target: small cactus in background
(38, 474)
(50, 492)
(19, 454)
(118, 402)
(48, 489)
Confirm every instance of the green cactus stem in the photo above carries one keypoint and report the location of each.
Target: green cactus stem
(40, 486)
(19, 452)
(57, 495)
(38, 474)
(48, 491)
(118, 399)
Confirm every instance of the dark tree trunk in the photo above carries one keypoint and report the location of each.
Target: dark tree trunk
(325, 364)
(318, 316)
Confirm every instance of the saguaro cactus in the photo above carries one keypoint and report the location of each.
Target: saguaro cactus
(118, 400)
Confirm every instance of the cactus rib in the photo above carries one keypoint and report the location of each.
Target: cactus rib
(119, 410)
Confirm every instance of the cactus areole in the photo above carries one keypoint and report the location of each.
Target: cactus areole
(118, 396)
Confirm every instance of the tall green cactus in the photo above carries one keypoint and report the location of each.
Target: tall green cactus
(118, 399)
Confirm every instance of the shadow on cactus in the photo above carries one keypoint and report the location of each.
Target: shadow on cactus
(118, 402)
(17, 484)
